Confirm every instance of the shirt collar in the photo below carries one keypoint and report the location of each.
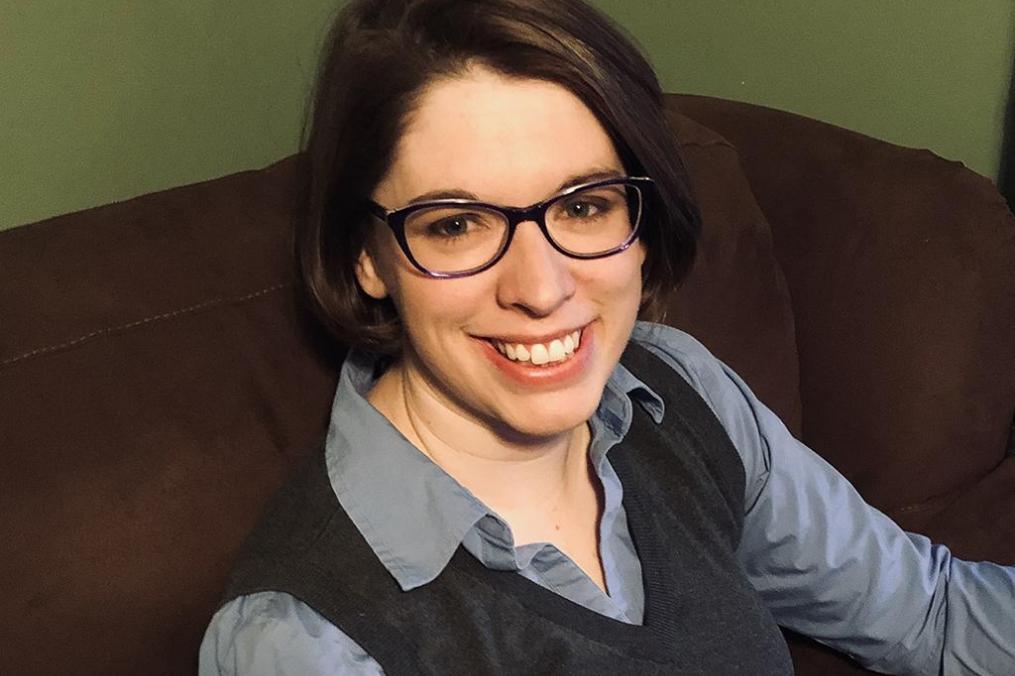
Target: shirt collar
(410, 511)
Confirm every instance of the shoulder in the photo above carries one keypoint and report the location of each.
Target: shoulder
(274, 632)
(690, 359)
(731, 400)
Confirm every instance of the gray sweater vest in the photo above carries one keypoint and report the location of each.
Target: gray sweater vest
(684, 496)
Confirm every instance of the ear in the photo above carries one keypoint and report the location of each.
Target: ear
(368, 276)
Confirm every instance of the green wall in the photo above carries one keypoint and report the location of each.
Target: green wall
(104, 100)
(107, 99)
(924, 73)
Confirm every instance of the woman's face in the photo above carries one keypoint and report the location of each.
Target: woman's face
(510, 142)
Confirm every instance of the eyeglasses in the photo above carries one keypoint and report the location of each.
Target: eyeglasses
(448, 238)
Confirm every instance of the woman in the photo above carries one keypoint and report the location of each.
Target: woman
(494, 197)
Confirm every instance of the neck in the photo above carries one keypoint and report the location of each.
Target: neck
(524, 480)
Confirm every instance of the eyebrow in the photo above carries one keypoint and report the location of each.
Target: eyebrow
(598, 174)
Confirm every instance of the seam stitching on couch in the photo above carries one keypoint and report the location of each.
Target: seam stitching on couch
(925, 506)
(147, 320)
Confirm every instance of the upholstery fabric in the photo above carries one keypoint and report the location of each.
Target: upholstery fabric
(157, 386)
(902, 270)
(735, 300)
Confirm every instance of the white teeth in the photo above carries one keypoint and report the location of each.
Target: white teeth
(558, 349)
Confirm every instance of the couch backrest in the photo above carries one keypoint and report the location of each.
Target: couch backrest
(901, 267)
(157, 383)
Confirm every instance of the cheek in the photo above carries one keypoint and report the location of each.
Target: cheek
(438, 309)
(619, 276)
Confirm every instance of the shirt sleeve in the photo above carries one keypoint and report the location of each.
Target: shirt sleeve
(275, 633)
(830, 566)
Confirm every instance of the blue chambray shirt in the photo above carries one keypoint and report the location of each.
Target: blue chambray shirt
(826, 564)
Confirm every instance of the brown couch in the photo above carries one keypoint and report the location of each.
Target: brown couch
(159, 377)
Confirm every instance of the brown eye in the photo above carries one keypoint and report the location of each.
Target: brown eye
(580, 209)
(449, 227)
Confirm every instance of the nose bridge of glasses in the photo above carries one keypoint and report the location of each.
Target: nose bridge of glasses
(518, 215)
(537, 256)
(535, 214)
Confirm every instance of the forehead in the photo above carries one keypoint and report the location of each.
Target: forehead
(505, 140)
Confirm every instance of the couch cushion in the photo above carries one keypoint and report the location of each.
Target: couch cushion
(157, 383)
(735, 300)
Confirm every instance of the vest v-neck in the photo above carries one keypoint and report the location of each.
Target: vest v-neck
(647, 639)
(683, 493)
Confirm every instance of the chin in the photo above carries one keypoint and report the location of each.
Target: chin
(551, 419)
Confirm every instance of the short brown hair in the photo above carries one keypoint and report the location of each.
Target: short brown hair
(381, 55)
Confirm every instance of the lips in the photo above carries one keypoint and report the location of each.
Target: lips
(539, 376)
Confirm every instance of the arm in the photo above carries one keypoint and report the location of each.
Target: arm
(274, 633)
(832, 567)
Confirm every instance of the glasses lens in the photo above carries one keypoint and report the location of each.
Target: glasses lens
(596, 220)
(450, 239)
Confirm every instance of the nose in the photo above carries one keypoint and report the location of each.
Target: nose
(534, 276)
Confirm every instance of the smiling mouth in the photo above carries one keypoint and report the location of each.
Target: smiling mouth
(552, 352)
